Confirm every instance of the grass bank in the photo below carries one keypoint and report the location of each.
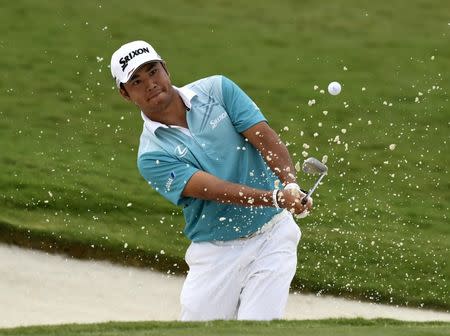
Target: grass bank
(249, 328)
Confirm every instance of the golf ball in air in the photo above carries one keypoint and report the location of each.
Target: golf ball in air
(334, 88)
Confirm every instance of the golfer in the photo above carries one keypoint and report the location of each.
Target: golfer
(207, 147)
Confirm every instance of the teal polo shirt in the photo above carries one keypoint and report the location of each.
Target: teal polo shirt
(219, 111)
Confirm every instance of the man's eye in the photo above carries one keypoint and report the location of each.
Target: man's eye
(136, 82)
(153, 71)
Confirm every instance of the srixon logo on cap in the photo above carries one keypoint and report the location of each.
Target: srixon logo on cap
(124, 60)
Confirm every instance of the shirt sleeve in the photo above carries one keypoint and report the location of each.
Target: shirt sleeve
(167, 175)
(243, 112)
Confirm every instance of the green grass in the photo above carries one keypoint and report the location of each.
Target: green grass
(379, 231)
(285, 328)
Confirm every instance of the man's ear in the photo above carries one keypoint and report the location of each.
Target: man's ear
(123, 92)
(165, 68)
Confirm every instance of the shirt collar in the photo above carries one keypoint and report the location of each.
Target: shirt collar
(186, 95)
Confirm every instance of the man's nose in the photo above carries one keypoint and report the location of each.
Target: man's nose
(150, 83)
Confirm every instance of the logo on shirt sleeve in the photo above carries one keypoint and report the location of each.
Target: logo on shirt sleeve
(170, 180)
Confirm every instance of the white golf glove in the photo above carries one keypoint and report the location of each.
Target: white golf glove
(296, 187)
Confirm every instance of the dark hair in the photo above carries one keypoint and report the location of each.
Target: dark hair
(123, 87)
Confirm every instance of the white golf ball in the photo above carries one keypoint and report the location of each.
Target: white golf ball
(334, 88)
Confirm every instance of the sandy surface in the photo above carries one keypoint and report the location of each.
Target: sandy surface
(37, 288)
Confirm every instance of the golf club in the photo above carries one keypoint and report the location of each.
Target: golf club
(313, 166)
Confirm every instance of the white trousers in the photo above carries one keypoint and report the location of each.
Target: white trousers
(244, 279)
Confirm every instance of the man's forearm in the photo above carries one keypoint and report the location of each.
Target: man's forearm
(208, 187)
(273, 150)
(279, 161)
(239, 194)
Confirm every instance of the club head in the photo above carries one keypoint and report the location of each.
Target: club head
(313, 166)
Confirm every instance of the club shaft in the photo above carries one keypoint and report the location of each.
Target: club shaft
(305, 199)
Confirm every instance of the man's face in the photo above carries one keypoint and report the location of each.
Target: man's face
(149, 88)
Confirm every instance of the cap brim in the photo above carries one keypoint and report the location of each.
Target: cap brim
(134, 68)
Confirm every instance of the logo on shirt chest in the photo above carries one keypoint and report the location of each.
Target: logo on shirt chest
(217, 120)
(181, 151)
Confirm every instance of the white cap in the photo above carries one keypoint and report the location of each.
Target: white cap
(129, 57)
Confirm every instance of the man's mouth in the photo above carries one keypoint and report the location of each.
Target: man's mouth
(154, 94)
